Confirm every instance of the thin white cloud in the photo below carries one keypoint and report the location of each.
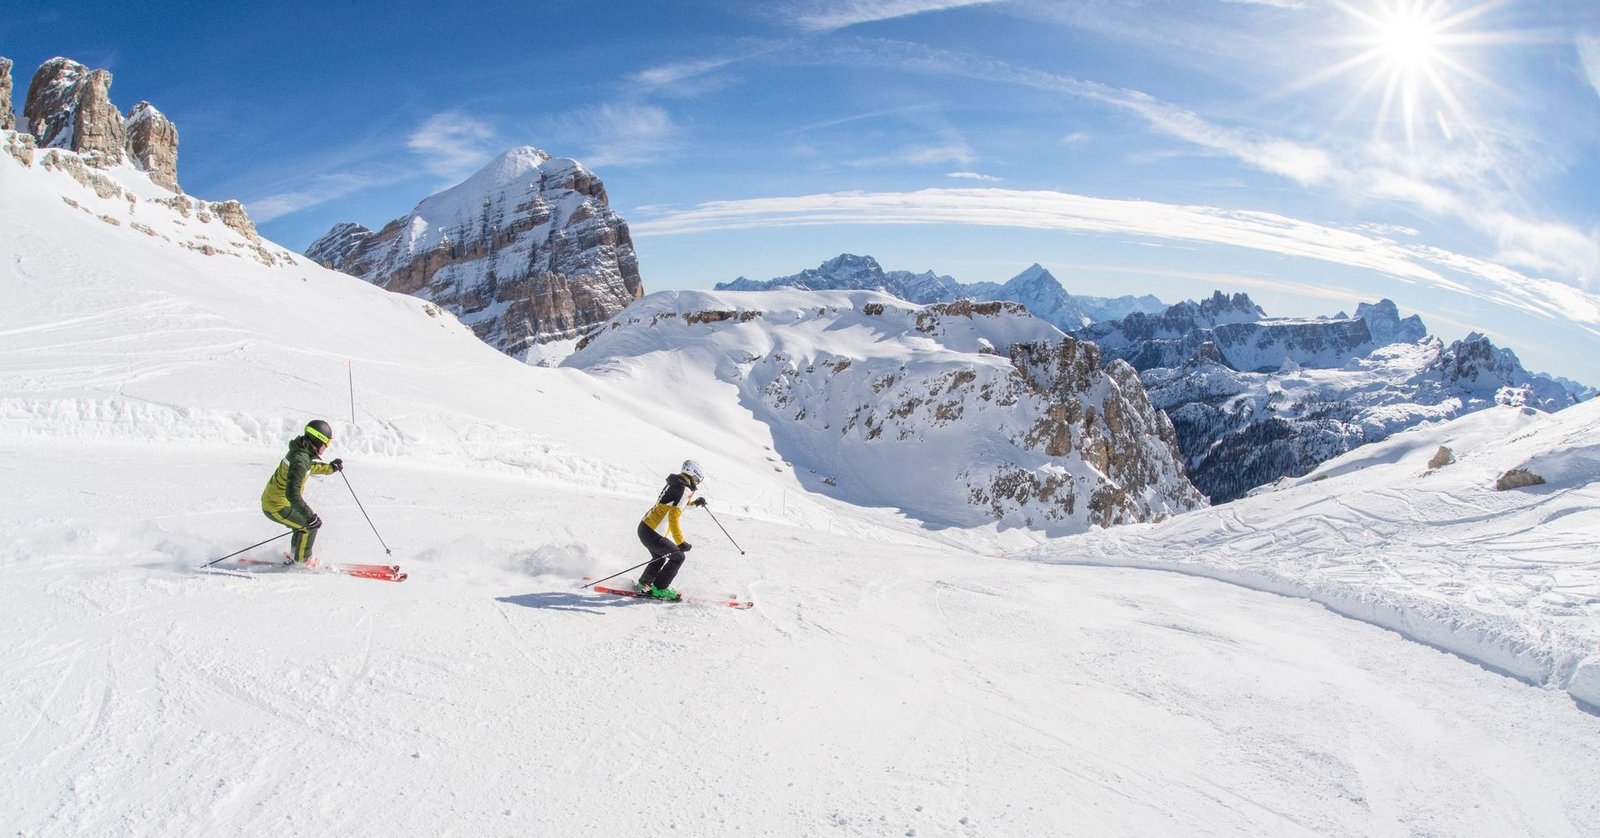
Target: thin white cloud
(973, 176)
(453, 145)
(1146, 219)
(618, 134)
(1589, 54)
(1277, 4)
(955, 151)
(319, 190)
(1467, 188)
(828, 15)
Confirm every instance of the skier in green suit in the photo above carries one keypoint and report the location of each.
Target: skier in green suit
(282, 501)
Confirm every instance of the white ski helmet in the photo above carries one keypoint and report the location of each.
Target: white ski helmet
(692, 469)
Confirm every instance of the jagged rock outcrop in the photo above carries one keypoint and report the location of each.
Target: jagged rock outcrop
(525, 252)
(8, 119)
(153, 144)
(1035, 288)
(336, 246)
(1255, 401)
(1384, 323)
(959, 413)
(1517, 478)
(69, 107)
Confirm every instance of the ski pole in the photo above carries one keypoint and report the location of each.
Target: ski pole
(618, 573)
(251, 547)
(386, 550)
(724, 530)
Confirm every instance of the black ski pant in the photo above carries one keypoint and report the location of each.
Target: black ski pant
(666, 558)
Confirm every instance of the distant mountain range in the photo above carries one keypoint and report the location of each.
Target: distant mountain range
(1252, 398)
(1035, 288)
(1255, 398)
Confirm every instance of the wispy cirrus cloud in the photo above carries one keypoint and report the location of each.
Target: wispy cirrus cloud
(828, 15)
(978, 176)
(618, 134)
(1048, 210)
(1589, 55)
(1467, 188)
(1277, 4)
(318, 189)
(453, 144)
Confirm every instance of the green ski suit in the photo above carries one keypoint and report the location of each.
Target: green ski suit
(281, 499)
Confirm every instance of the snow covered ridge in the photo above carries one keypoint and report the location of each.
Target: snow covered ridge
(1255, 398)
(125, 196)
(1395, 535)
(959, 414)
(1035, 288)
(526, 251)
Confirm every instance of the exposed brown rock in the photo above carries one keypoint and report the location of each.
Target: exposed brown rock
(21, 147)
(526, 251)
(1517, 478)
(8, 117)
(153, 143)
(69, 107)
(1441, 458)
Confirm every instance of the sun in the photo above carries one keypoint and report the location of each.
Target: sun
(1416, 59)
(1408, 40)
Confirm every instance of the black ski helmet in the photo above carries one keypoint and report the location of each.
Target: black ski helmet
(319, 431)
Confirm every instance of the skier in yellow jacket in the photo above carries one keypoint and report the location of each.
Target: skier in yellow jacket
(281, 500)
(668, 555)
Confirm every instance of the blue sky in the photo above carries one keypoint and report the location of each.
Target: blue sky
(1313, 153)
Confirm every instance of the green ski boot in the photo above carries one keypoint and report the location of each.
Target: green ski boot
(667, 594)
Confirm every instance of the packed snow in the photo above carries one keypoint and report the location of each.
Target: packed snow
(892, 679)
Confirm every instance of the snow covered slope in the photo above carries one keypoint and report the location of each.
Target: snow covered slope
(1506, 578)
(959, 414)
(891, 678)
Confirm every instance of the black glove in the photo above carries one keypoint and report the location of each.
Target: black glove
(315, 522)
(337, 464)
(698, 502)
(685, 547)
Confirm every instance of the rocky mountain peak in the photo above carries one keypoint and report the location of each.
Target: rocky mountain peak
(69, 106)
(153, 144)
(526, 251)
(1383, 321)
(333, 250)
(8, 119)
(1221, 308)
(1034, 274)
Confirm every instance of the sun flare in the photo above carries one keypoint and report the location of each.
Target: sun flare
(1416, 57)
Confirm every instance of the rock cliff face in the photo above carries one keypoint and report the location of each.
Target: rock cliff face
(958, 413)
(336, 246)
(526, 251)
(1254, 399)
(153, 144)
(69, 107)
(1035, 288)
(8, 119)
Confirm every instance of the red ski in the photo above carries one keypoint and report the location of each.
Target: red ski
(732, 601)
(382, 572)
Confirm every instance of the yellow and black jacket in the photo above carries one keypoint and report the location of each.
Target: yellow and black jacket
(669, 506)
